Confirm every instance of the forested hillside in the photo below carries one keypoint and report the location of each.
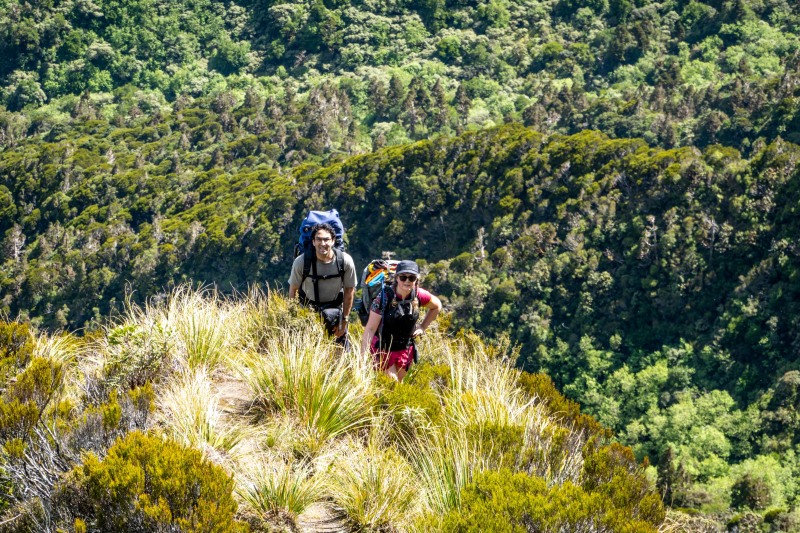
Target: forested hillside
(611, 185)
(674, 73)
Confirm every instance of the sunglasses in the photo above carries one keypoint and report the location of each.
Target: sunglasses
(404, 277)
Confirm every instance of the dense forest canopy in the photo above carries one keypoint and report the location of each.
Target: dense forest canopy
(674, 73)
(612, 185)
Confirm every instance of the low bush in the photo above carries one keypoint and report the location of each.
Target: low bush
(147, 484)
(540, 386)
(26, 397)
(409, 406)
(503, 501)
(613, 472)
(16, 349)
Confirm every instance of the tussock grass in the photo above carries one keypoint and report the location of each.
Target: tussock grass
(443, 463)
(204, 325)
(266, 315)
(482, 387)
(303, 374)
(62, 348)
(189, 412)
(558, 450)
(253, 382)
(277, 488)
(375, 488)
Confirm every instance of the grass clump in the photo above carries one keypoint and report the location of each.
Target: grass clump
(279, 489)
(189, 412)
(304, 375)
(375, 488)
(443, 462)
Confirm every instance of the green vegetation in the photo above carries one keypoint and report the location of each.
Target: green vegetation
(144, 482)
(675, 73)
(636, 241)
(656, 287)
(260, 439)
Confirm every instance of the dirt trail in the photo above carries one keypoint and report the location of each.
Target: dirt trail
(318, 519)
(234, 398)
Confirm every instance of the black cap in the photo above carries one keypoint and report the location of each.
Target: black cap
(407, 267)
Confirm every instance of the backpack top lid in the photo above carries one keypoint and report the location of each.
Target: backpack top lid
(319, 217)
(378, 272)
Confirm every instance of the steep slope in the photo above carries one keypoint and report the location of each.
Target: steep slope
(657, 287)
(178, 413)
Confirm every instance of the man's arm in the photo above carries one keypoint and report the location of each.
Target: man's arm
(347, 306)
(349, 296)
(296, 276)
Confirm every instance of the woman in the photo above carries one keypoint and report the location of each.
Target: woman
(392, 325)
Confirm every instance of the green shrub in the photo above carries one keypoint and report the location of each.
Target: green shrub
(427, 375)
(612, 471)
(415, 401)
(399, 398)
(16, 348)
(27, 397)
(134, 355)
(542, 387)
(502, 501)
(146, 484)
(500, 445)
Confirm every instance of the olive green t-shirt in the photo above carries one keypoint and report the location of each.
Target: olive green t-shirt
(328, 288)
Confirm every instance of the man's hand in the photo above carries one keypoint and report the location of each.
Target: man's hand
(341, 329)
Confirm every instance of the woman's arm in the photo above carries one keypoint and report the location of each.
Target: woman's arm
(433, 307)
(369, 330)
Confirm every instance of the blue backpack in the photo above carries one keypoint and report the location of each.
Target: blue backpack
(304, 244)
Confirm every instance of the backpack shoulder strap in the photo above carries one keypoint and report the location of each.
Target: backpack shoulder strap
(384, 301)
(339, 262)
(387, 295)
(309, 263)
(307, 266)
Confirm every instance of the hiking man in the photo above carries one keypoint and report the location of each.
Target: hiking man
(329, 277)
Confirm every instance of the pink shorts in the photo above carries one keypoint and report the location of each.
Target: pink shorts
(401, 358)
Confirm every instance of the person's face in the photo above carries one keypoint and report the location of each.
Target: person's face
(323, 242)
(406, 282)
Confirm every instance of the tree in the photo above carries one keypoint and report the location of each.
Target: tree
(441, 111)
(15, 243)
(463, 103)
(751, 492)
(397, 91)
(673, 480)
(377, 97)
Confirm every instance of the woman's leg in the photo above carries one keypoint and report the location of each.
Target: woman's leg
(396, 373)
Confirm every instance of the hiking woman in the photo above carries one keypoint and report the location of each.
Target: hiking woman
(393, 321)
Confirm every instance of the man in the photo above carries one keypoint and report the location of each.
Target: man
(328, 283)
